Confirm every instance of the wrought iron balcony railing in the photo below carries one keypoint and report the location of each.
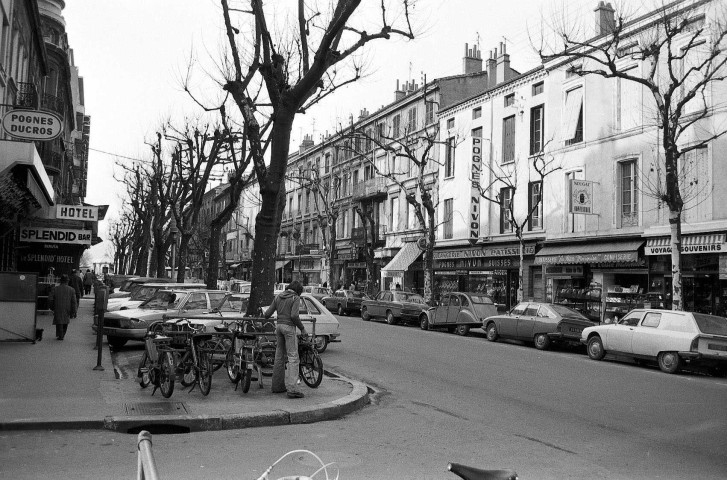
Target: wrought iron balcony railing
(52, 103)
(359, 234)
(27, 95)
(371, 188)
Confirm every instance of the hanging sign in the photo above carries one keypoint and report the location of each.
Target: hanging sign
(76, 212)
(32, 125)
(474, 219)
(55, 235)
(581, 196)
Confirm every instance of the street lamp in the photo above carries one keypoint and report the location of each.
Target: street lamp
(173, 230)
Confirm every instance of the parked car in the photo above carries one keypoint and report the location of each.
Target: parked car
(538, 322)
(143, 292)
(279, 288)
(395, 306)
(673, 339)
(130, 284)
(458, 312)
(124, 325)
(240, 286)
(319, 293)
(345, 302)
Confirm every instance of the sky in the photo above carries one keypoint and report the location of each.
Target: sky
(133, 53)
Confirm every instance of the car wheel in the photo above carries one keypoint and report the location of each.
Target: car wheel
(541, 341)
(424, 321)
(340, 310)
(462, 330)
(365, 314)
(116, 342)
(321, 343)
(492, 334)
(390, 317)
(669, 362)
(595, 348)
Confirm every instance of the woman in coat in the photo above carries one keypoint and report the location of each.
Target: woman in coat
(62, 301)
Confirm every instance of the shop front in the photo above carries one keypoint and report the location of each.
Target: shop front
(307, 270)
(704, 272)
(404, 271)
(601, 279)
(492, 270)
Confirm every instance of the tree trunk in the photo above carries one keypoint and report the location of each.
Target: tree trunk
(675, 203)
(160, 251)
(430, 294)
(675, 228)
(214, 257)
(521, 269)
(182, 257)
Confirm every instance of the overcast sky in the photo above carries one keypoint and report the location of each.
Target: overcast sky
(131, 52)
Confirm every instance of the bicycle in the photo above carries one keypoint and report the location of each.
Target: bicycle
(311, 365)
(253, 351)
(154, 367)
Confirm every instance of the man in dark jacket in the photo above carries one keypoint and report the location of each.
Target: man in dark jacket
(77, 283)
(287, 304)
(62, 301)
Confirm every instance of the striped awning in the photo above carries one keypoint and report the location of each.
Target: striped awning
(281, 264)
(702, 243)
(590, 252)
(406, 256)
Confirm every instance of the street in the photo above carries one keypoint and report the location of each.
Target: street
(438, 398)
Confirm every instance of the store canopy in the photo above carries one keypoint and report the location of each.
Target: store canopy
(406, 256)
(281, 264)
(590, 252)
(702, 243)
(234, 265)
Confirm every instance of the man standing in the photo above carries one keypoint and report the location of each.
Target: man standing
(87, 281)
(62, 301)
(77, 283)
(287, 304)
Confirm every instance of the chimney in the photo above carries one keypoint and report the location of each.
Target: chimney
(398, 93)
(363, 114)
(492, 69)
(472, 60)
(306, 143)
(605, 20)
(503, 66)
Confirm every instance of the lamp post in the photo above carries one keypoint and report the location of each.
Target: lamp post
(173, 230)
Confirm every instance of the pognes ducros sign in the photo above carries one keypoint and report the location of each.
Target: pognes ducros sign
(32, 125)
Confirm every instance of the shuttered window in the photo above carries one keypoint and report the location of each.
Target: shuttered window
(508, 139)
(505, 202)
(572, 121)
(448, 218)
(536, 130)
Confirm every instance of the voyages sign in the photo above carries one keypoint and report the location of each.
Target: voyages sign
(32, 125)
(55, 235)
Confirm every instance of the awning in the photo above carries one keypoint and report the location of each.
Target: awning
(590, 252)
(281, 263)
(704, 243)
(25, 154)
(234, 265)
(406, 256)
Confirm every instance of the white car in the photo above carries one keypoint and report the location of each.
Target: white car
(671, 338)
(142, 293)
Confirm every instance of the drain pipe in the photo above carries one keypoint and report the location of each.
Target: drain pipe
(146, 468)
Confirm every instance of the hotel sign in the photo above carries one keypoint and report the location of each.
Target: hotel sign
(474, 218)
(76, 212)
(581, 197)
(55, 235)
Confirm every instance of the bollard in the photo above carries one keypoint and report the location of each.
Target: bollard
(100, 303)
(146, 468)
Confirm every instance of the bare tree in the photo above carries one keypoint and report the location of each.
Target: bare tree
(291, 74)
(681, 51)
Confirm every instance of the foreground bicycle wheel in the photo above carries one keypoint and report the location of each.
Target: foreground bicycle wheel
(204, 373)
(166, 374)
(233, 369)
(142, 372)
(246, 378)
(311, 368)
(188, 372)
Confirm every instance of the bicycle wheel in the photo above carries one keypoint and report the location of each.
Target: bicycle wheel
(311, 367)
(204, 372)
(246, 378)
(142, 373)
(189, 373)
(166, 374)
(233, 368)
(217, 349)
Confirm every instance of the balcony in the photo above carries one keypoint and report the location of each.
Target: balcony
(27, 95)
(52, 103)
(358, 235)
(53, 160)
(370, 189)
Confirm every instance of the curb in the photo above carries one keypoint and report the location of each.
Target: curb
(355, 400)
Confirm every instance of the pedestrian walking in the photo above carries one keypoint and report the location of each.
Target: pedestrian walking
(87, 281)
(62, 300)
(287, 304)
(77, 283)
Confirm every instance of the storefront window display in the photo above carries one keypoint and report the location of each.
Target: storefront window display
(703, 290)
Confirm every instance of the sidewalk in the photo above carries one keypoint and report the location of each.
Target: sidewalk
(52, 385)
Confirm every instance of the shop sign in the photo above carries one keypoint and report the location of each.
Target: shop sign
(489, 272)
(484, 252)
(445, 272)
(477, 263)
(687, 249)
(357, 265)
(581, 196)
(32, 125)
(475, 190)
(55, 235)
(603, 257)
(75, 212)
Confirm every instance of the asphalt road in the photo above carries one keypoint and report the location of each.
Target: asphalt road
(439, 398)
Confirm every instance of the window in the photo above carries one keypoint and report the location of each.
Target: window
(396, 124)
(651, 319)
(412, 122)
(505, 214)
(197, 301)
(449, 158)
(448, 218)
(697, 186)
(628, 103)
(344, 185)
(628, 194)
(429, 111)
(508, 139)
(537, 132)
(476, 113)
(355, 177)
(307, 201)
(450, 123)
(572, 121)
(300, 203)
(510, 100)
(369, 172)
(537, 88)
(328, 163)
(394, 214)
(535, 205)
(532, 310)
(369, 141)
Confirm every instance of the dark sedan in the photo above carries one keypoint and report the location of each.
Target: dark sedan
(345, 302)
(538, 322)
(395, 306)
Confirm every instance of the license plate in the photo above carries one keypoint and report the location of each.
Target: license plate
(714, 346)
(575, 330)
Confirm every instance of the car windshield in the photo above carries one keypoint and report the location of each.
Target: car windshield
(161, 301)
(408, 297)
(567, 312)
(233, 303)
(357, 294)
(481, 299)
(711, 324)
(143, 293)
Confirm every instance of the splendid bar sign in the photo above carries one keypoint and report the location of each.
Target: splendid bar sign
(475, 190)
(76, 212)
(32, 125)
(55, 235)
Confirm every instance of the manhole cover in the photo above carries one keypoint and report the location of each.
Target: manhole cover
(158, 408)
